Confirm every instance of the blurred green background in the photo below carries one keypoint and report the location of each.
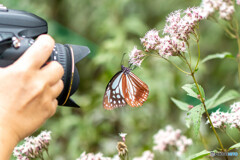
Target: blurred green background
(110, 28)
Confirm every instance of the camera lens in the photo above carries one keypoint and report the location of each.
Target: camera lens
(67, 55)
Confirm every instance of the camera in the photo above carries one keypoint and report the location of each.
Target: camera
(18, 29)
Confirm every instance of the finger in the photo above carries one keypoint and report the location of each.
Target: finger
(53, 72)
(38, 53)
(57, 89)
(54, 107)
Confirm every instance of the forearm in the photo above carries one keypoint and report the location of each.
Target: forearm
(7, 144)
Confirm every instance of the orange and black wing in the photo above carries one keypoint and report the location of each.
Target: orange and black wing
(135, 90)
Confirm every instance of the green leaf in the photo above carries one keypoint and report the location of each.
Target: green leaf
(194, 116)
(230, 95)
(234, 146)
(209, 103)
(192, 90)
(199, 155)
(180, 104)
(217, 56)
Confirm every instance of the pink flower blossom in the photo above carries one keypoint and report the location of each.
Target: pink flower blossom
(225, 8)
(33, 147)
(91, 156)
(181, 24)
(171, 138)
(170, 46)
(136, 57)
(147, 155)
(231, 118)
(150, 40)
(234, 116)
(219, 119)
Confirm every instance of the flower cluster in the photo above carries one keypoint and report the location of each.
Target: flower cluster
(147, 155)
(182, 26)
(170, 138)
(225, 8)
(170, 46)
(231, 118)
(33, 147)
(219, 119)
(179, 26)
(136, 57)
(91, 156)
(150, 40)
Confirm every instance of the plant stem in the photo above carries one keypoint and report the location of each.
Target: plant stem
(203, 101)
(238, 54)
(177, 66)
(198, 55)
(200, 94)
(205, 108)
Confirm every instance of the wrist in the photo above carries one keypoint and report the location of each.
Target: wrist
(8, 141)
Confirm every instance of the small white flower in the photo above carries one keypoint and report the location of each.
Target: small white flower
(123, 135)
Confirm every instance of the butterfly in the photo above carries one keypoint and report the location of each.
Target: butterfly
(125, 88)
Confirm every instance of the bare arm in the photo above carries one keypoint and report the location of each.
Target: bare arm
(28, 94)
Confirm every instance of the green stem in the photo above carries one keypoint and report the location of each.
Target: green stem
(198, 55)
(205, 108)
(176, 66)
(49, 157)
(238, 54)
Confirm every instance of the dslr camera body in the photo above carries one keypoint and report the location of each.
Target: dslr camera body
(18, 29)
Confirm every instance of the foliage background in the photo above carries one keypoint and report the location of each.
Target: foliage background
(111, 28)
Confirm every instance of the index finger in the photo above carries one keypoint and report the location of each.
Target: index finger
(38, 53)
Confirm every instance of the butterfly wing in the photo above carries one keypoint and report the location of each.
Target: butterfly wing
(113, 97)
(135, 90)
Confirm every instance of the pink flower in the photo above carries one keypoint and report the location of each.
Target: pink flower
(231, 118)
(33, 147)
(170, 46)
(150, 40)
(170, 138)
(219, 119)
(225, 8)
(136, 57)
(181, 24)
(91, 156)
(147, 155)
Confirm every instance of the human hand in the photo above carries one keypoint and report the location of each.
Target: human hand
(29, 91)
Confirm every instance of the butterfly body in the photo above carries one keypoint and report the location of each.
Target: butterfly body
(125, 88)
